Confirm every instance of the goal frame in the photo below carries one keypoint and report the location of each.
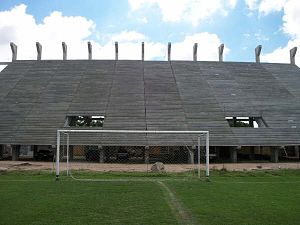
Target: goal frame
(68, 131)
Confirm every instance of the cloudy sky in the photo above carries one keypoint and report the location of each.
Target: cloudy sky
(240, 24)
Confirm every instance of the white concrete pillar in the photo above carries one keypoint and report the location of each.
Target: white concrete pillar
(293, 52)
(257, 53)
(169, 51)
(90, 50)
(65, 50)
(195, 49)
(116, 50)
(221, 50)
(143, 51)
(14, 50)
(39, 50)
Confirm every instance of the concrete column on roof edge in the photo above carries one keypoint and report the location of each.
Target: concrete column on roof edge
(195, 49)
(257, 53)
(293, 52)
(116, 50)
(39, 50)
(221, 50)
(143, 51)
(65, 50)
(169, 51)
(14, 50)
(90, 51)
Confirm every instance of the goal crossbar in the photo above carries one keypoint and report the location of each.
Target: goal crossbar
(67, 131)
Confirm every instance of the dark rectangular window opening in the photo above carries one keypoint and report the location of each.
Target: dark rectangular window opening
(85, 121)
(253, 122)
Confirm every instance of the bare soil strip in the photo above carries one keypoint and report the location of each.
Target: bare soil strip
(180, 213)
(111, 167)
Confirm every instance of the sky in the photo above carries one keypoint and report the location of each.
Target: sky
(240, 24)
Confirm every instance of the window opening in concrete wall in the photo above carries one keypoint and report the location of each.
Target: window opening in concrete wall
(253, 122)
(85, 121)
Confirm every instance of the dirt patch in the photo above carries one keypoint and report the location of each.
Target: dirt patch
(106, 167)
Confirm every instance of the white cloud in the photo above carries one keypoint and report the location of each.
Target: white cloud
(291, 21)
(20, 27)
(128, 36)
(193, 11)
(282, 54)
(251, 4)
(207, 47)
(291, 18)
(266, 7)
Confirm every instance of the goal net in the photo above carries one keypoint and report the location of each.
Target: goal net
(143, 151)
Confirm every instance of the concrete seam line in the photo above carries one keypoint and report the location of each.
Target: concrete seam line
(181, 214)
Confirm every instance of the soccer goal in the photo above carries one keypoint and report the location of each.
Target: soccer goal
(132, 150)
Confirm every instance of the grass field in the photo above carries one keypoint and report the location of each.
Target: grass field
(259, 197)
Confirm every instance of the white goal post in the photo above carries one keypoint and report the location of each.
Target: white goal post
(67, 132)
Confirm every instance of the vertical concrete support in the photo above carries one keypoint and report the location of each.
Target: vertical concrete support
(221, 50)
(71, 153)
(169, 51)
(293, 52)
(143, 51)
(14, 50)
(147, 154)
(101, 154)
(1, 151)
(252, 153)
(15, 152)
(195, 48)
(274, 154)
(34, 149)
(191, 154)
(116, 50)
(233, 154)
(90, 50)
(297, 151)
(38, 50)
(65, 50)
(257, 53)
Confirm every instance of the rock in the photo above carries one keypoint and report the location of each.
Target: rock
(158, 167)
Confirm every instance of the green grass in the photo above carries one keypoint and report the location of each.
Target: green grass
(258, 197)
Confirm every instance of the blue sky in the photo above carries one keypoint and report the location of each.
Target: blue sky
(240, 24)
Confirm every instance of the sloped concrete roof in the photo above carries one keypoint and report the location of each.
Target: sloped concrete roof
(36, 97)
